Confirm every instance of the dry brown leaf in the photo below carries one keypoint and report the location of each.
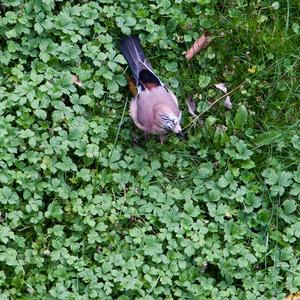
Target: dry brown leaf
(221, 87)
(191, 104)
(295, 296)
(75, 79)
(228, 103)
(199, 44)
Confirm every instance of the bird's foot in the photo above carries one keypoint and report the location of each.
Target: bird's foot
(135, 140)
(146, 137)
(162, 138)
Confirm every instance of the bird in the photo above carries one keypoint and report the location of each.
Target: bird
(154, 109)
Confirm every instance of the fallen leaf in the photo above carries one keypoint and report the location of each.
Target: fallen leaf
(221, 87)
(295, 296)
(75, 79)
(199, 44)
(228, 103)
(191, 104)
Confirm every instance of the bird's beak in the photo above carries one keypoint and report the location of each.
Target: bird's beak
(181, 135)
(178, 130)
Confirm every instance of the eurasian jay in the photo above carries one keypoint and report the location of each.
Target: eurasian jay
(154, 109)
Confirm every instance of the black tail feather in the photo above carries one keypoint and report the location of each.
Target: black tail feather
(142, 71)
(132, 50)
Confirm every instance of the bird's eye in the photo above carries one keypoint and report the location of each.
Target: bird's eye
(169, 125)
(168, 122)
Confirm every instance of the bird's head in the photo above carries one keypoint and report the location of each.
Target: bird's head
(170, 122)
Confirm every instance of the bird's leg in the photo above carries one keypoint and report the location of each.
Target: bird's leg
(162, 138)
(135, 140)
(146, 137)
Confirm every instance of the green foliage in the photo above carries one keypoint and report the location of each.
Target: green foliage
(84, 214)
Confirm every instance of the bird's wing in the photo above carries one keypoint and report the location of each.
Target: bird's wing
(150, 103)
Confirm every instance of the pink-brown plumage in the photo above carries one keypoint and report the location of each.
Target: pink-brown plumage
(154, 109)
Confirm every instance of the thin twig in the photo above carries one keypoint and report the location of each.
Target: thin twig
(287, 21)
(210, 106)
(153, 286)
(118, 132)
